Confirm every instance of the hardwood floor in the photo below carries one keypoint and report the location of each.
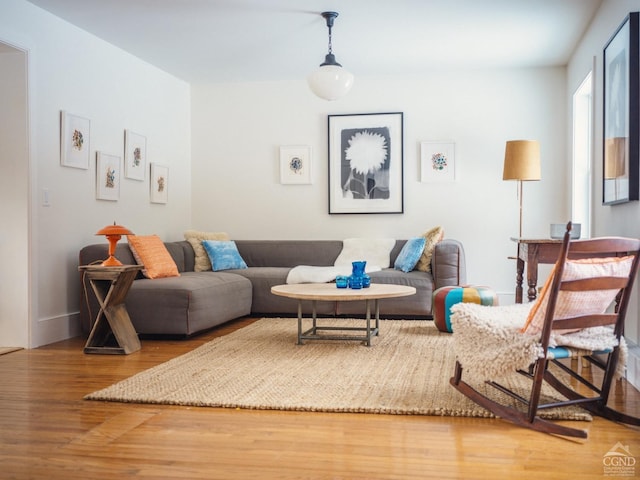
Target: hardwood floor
(48, 431)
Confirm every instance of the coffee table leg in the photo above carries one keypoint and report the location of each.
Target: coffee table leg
(315, 316)
(377, 307)
(368, 341)
(300, 322)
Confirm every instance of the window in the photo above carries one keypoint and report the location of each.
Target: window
(582, 153)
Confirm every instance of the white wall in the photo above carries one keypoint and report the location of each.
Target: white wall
(238, 128)
(622, 219)
(72, 70)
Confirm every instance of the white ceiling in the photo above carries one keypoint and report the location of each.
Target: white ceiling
(262, 40)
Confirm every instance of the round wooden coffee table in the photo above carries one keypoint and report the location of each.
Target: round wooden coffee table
(328, 292)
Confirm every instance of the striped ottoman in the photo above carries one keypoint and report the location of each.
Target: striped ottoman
(446, 297)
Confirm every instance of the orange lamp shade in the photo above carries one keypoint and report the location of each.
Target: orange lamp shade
(113, 233)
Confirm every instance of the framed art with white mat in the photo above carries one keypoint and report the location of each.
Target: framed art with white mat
(295, 165)
(75, 133)
(107, 176)
(366, 163)
(437, 162)
(135, 155)
(159, 183)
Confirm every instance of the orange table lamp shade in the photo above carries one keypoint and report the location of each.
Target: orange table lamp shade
(113, 233)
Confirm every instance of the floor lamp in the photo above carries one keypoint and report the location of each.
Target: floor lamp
(522, 163)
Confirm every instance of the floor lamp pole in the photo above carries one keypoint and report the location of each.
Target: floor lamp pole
(520, 198)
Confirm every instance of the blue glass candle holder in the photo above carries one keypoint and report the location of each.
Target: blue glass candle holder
(342, 281)
(355, 282)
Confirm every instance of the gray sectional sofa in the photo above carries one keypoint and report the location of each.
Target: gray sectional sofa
(196, 301)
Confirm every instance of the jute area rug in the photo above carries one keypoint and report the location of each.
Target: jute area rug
(405, 371)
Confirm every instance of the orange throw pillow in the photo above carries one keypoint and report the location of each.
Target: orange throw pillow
(150, 252)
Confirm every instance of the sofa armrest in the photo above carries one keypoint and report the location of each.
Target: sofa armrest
(448, 264)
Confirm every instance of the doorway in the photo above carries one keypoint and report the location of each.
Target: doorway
(14, 199)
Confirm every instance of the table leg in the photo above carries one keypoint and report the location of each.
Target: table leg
(532, 273)
(314, 315)
(519, 277)
(300, 322)
(368, 341)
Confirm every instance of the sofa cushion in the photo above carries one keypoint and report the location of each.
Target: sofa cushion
(418, 305)
(264, 302)
(188, 304)
(374, 251)
(410, 254)
(223, 255)
(195, 238)
(151, 252)
(432, 237)
(289, 253)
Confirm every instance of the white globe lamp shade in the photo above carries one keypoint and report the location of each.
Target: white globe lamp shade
(330, 82)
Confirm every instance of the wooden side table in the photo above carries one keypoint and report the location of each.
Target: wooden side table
(111, 285)
(533, 252)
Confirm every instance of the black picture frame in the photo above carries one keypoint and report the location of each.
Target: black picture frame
(621, 114)
(366, 163)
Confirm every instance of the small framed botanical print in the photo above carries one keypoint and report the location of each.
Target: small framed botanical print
(74, 141)
(295, 165)
(437, 162)
(107, 176)
(159, 183)
(135, 155)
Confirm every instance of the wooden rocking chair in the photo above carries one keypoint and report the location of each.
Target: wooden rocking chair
(587, 277)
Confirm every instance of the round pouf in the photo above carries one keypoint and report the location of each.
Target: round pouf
(446, 297)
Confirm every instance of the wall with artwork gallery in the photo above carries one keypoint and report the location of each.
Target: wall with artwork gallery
(88, 102)
(110, 168)
(296, 170)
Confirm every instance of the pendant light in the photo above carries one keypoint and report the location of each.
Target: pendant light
(330, 81)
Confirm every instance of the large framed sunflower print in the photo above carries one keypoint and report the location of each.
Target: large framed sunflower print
(365, 163)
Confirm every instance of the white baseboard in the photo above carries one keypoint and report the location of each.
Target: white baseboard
(633, 365)
(55, 329)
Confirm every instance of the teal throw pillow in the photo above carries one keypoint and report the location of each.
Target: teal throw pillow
(410, 254)
(223, 255)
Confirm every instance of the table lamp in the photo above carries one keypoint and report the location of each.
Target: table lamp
(522, 163)
(113, 233)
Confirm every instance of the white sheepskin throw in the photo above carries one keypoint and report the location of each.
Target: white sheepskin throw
(488, 342)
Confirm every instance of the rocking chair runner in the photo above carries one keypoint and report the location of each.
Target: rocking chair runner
(587, 277)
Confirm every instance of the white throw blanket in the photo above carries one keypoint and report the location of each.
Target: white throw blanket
(311, 274)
